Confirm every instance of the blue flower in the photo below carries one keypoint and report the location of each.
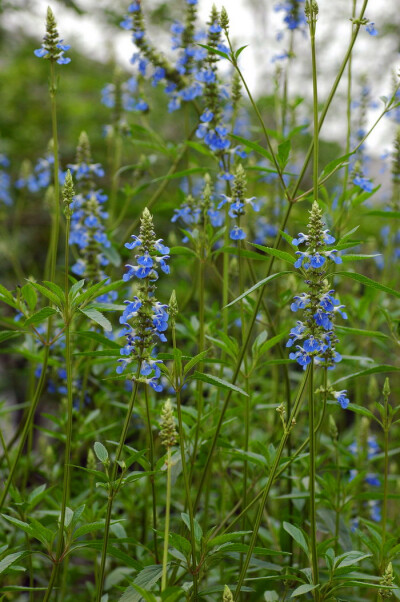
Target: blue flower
(237, 233)
(370, 28)
(341, 397)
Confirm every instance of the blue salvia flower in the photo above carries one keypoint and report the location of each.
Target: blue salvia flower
(313, 337)
(238, 203)
(145, 319)
(293, 10)
(42, 174)
(5, 181)
(52, 47)
(87, 222)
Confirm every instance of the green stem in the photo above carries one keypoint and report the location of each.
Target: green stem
(200, 401)
(115, 175)
(260, 119)
(330, 97)
(68, 434)
(152, 480)
(242, 352)
(185, 472)
(56, 212)
(267, 488)
(166, 529)
(113, 488)
(313, 516)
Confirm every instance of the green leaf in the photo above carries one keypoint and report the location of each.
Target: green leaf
(256, 286)
(369, 282)
(351, 257)
(9, 334)
(75, 288)
(147, 596)
(182, 251)
(97, 317)
(297, 535)
(367, 371)
(92, 291)
(350, 558)
(198, 531)
(100, 452)
(180, 543)
(254, 146)
(303, 589)
(89, 528)
(276, 253)
(213, 50)
(361, 410)
(47, 293)
(99, 338)
(56, 289)
(385, 214)
(200, 148)
(145, 579)
(218, 382)
(239, 52)
(29, 295)
(195, 360)
(9, 560)
(226, 538)
(40, 316)
(283, 153)
(334, 166)
(360, 331)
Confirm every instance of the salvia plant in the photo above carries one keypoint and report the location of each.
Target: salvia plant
(200, 318)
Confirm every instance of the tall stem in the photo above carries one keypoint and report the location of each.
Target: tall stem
(166, 529)
(185, 472)
(267, 488)
(311, 488)
(152, 480)
(113, 488)
(56, 210)
(68, 433)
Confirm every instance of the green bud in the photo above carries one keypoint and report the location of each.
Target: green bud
(333, 431)
(168, 432)
(227, 597)
(91, 460)
(388, 581)
(173, 308)
(224, 20)
(386, 388)
(68, 194)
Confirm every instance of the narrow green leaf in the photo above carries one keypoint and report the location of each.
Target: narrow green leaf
(9, 560)
(75, 288)
(350, 257)
(40, 316)
(29, 294)
(56, 289)
(198, 531)
(283, 153)
(89, 528)
(256, 286)
(360, 331)
(97, 317)
(334, 165)
(218, 382)
(369, 282)
(373, 370)
(276, 253)
(213, 50)
(47, 293)
(9, 334)
(303, 589)
(194, 361)
(239, 52)
(297, 535)
(385, 214)
(254, 146)
(182, 251)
